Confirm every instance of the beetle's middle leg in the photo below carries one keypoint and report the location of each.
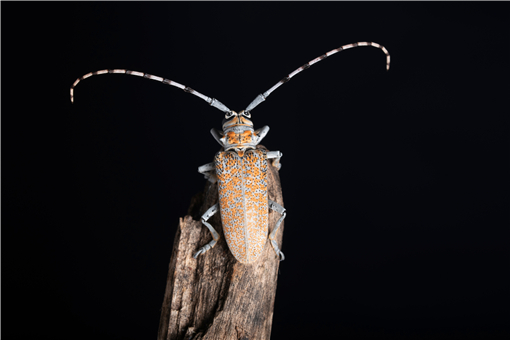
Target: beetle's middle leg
(209, 172)
(210, 212)
(272, 237)
(276, 155)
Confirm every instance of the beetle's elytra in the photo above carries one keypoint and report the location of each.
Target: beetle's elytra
(243, 188)
(241, 170)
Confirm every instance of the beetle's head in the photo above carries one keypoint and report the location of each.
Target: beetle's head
(237, 122)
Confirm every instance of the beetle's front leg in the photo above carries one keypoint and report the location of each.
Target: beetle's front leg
(209, 172)
(219, 136)
(272, 237)
(276, 161)
(261, 133)
(210, 212)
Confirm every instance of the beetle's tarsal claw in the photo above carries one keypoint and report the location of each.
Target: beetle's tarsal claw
(277, 250)
(277, 164)
(205, 248)
(201, 251)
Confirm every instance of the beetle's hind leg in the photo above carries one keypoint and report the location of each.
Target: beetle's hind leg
(209, 172)
(210, 212)
(272, 237)
(277, 155)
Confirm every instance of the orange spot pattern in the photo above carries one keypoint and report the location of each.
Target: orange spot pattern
(245, 137)
(243, 202)
(232, 138)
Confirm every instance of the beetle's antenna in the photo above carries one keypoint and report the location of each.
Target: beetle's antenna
(213, 102)
(261, 97)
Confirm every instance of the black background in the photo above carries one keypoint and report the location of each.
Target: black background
(395, 182)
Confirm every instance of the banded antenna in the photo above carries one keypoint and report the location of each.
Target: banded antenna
(213, 102)
(261, 97)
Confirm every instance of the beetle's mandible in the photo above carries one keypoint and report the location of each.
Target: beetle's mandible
(241, 170)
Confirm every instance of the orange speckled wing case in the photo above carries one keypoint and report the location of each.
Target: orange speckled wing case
(243, 202)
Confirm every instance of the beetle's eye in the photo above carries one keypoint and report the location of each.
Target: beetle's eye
(246, 114)
(229, 114)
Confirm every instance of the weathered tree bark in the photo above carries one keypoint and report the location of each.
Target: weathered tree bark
(214, 296)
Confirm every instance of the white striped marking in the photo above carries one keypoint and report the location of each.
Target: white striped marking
(156, 78)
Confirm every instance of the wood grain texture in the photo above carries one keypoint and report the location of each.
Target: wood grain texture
(215, 296)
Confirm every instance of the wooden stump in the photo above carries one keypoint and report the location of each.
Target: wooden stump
(214, 296)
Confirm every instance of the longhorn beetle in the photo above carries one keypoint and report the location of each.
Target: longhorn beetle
(241, 169)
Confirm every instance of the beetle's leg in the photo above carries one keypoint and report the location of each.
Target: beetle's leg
(218, 135)
(209, 172)
(211, 211)
(272, 237)
(277, 155)
(261, 133)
